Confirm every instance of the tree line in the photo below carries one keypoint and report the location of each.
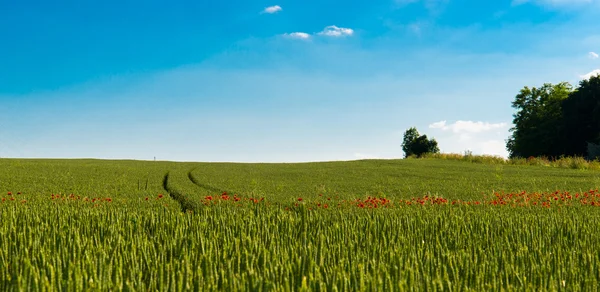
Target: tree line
(553, 121)
(557, 120)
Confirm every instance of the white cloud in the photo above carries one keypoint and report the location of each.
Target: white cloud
(330, 31)
(438, 125)
(479, 137)
(464, 137)
(467, 126)
(297, 35)
(334, 31)
(272, 9)
(593, 55)
(589, 75)
(487, 144)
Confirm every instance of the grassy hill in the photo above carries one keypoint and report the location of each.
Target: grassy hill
(371, 224)
(130, 180)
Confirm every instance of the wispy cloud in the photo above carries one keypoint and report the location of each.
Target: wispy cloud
(590, 75)
(334, 31)
(329, 31)
(593, 55)
(297, 35)
(467, 126)
(272, 9)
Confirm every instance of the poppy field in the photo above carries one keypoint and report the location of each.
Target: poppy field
(392, 225)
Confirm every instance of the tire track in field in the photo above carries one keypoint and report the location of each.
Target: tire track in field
(204, 186)
(208, 187)
(185, 204)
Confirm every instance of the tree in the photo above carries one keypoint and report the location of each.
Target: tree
(410, 136)
(538, 123)
(414, 144)
(581, 113)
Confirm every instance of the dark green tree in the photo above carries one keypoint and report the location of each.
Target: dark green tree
(410, 136)
(581, 113)
(415, 144)
(538, 123)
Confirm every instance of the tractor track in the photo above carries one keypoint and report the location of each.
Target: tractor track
(204, 186)
(185, 204)
(208, 187)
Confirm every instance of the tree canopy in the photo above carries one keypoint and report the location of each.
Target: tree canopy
(556, 120)
(416, 144)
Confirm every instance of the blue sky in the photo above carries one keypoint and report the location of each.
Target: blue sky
(277, 81)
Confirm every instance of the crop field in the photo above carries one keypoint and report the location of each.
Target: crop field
(388, 225)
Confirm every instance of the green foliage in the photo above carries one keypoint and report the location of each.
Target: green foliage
(415, 144)
(562, 162)
(538, 127)
(469, 157)
(582, 117)
(555, 120)
(410, 136)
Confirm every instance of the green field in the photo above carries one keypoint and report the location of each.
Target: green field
(414, 224)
